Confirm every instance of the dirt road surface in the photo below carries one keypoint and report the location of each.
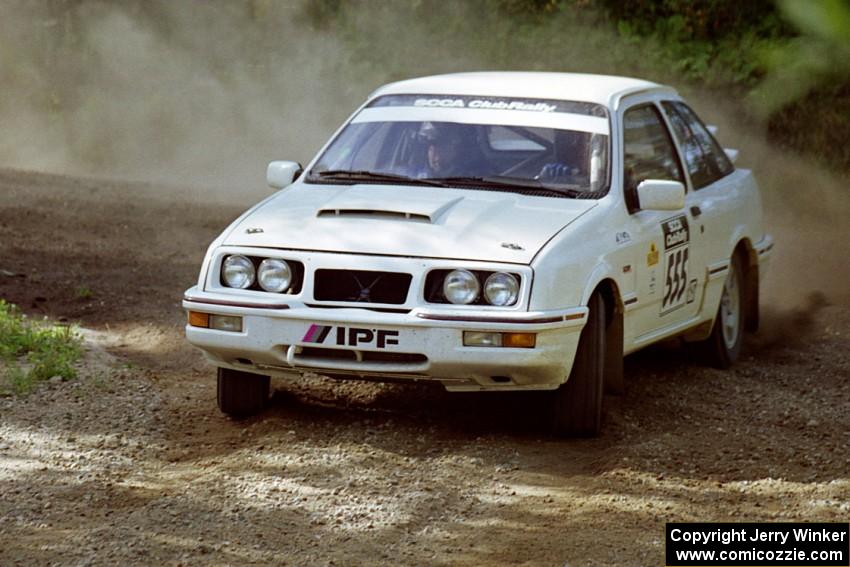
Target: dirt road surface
(132, 463)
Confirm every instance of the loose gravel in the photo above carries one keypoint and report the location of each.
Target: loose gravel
(131, 463)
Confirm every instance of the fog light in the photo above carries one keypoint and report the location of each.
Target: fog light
(226, 323)
(197, 319)
(519, 340)
(476, 338)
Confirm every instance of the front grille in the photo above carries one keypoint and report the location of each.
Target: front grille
(328, 353)
(394, 357)
(361, 286)
(319, 353)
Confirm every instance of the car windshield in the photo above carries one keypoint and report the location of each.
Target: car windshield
(524, 145)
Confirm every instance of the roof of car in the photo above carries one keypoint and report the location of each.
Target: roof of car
(601, 89)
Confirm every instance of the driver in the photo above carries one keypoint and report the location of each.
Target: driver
(444, 155)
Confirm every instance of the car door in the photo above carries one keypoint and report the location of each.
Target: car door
(713, 202)
(667, 250)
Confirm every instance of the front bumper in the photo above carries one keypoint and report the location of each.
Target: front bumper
(286, 337)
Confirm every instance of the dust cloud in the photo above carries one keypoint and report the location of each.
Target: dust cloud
(204, 94)
(807, 208)
(192, 93)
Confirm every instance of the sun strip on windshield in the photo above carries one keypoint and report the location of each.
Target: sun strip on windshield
(491, 103)
(528, 118)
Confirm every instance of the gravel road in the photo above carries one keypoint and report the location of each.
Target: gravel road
(132, 464)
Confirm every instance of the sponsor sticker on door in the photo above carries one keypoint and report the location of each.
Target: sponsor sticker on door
(677, 239)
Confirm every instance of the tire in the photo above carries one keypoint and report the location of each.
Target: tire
(242, 394)
(576, 406)
(722, 347)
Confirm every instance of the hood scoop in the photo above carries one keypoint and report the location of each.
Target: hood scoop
(376, 202)
(375, 214)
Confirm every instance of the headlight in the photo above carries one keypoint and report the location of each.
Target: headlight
(501, 289)
(274, 275)
(461, 287)
(238, 271)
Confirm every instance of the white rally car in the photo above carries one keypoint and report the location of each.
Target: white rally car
(490, 231)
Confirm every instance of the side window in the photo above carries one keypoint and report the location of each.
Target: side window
(710, 145)
(715, 157)
(648, 151)
(700, 169)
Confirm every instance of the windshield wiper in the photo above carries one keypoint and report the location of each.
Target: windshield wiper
(507, 183)
(503, 182)
(364, 175)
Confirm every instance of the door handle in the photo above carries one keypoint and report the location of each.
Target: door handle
(696, 211)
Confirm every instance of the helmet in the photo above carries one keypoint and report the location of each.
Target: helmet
(441, 132)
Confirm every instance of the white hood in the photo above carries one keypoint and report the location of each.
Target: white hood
(429, 222)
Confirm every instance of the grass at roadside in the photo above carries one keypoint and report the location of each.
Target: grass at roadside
(32, 351)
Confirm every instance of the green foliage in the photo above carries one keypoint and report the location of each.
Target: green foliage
(526, 8)
(792, 58)
(34, 351)
(818, 58)
(816, 125)
(698, 20)
(711, 42)
(715, 43)
(805, 96)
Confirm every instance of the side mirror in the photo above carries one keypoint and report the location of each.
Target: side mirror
(731, 154)
(281, 174)
(658, 195)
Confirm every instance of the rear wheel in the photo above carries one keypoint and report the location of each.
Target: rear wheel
(724, 345)
(576, 407)
(242, 394)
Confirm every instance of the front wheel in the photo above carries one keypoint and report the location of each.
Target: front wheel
(576, 407)
(242, 394)
(723, 346)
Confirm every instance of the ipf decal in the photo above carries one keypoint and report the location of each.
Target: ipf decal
(351, 336)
